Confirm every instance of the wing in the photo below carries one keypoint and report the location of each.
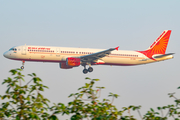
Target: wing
(95, 56)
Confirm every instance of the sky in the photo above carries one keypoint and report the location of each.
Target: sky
(131, 25)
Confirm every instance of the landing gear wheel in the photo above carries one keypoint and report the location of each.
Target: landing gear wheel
(22, 67)
(90, 69)
(85, 71)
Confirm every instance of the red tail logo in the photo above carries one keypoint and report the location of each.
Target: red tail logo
(159, 46)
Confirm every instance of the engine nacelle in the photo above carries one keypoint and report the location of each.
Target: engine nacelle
(73, 62)
(64, 66)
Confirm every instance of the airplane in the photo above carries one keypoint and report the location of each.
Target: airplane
(73, 57)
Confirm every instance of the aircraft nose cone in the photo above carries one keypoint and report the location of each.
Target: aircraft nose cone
(5, 54)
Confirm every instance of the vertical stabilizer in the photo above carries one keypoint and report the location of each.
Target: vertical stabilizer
(159, 46)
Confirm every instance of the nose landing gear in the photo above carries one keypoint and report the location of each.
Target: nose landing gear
(22, 67)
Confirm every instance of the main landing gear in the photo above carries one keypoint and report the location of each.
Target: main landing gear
(22, 67)
(85, 71)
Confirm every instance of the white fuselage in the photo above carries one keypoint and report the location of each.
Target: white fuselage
(59, 54)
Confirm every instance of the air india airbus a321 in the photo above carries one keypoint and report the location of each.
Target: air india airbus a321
(73, 57)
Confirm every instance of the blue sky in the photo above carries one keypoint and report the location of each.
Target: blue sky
(132, 25)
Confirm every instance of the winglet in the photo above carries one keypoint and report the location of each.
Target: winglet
(117, 48)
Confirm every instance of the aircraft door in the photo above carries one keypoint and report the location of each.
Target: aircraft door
(57, 52)
(23, 50)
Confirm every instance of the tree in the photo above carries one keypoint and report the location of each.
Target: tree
(24, 101)
(93, 109)
(27, 102)
(105, 110)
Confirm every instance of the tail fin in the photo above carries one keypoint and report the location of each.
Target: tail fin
(159, 46)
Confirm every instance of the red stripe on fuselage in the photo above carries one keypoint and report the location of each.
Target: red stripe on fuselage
(58, 61)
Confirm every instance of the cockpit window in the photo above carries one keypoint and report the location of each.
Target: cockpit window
(13, 49)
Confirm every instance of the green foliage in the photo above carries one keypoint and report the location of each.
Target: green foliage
(25, 101)
(93, 109)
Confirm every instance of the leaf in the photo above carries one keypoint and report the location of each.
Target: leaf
(28, 98)
(46, 87)
(79, 88)
(13, 71)
(41, 89)
(31, 115)
(8, 114)
(164, 107)
(36, 116)
(39, 105)
(87, 78)
(87, 85)
(156, 113)
(17, 117)
(53, 117)
(116, 95)
(34, 109)
(30, 75)
(130, 106)
(7, 91)
(76, 93)
(56, 112)
(95, 79)
(3, 97)
(23, 79)
(22, 92)
(101, 87)
(40, 95)
(34, 74)
(70, 103)
(19, 73)
(151, 109)
(35, 80)
(14, 96)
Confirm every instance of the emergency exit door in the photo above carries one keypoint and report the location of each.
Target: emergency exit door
(57, 52)
(23, 50)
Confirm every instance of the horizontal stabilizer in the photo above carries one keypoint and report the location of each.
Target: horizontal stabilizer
(160, 56)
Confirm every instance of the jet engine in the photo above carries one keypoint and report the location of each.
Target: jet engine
(73, 62)
(64, 66)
